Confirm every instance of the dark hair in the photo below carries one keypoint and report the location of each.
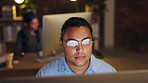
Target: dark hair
(75, 22)
(27, 17)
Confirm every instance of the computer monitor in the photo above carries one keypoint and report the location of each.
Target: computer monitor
(51, 29)
(138, 76)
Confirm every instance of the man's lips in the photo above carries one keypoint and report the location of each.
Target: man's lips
(80, 57)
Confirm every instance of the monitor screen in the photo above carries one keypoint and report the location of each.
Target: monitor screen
(51, 30)
(137, 76)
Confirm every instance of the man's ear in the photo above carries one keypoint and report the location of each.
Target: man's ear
(61, 43)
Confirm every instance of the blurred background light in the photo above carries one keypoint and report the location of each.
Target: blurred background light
(73, 0)
(19, 1)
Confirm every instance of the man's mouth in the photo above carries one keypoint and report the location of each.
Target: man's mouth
(80, 57)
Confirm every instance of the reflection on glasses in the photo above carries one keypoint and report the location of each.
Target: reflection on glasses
(75, 44)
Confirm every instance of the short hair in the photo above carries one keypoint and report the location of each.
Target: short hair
(75, 22)
(28, 16)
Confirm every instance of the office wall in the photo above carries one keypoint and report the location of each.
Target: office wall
(131, 27)
(109, 24)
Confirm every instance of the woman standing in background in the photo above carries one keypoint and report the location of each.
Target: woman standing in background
(29, 37)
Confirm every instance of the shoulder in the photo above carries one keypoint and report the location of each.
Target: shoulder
(50, 69)
(20, 33)
(100, 66)
(23, 31)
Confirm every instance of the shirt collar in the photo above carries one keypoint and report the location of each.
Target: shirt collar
(94, 63)
(91, 69)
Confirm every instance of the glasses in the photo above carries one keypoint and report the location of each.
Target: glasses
(84, 43)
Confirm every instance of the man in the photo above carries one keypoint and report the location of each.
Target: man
(76, 41)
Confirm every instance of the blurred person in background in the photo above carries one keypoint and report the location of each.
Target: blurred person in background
(29, 37)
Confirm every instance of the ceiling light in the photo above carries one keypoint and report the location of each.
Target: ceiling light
(19, 1)
(73, 0)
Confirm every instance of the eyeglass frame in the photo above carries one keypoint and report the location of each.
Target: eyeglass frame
(79, 42)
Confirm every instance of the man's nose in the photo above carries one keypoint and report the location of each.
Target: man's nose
(80, 48)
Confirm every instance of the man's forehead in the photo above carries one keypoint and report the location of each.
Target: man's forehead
(80, 30)
(77, 33)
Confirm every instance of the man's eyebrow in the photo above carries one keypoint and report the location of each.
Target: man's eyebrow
(86, 38)
(70, 39)
(76, 39)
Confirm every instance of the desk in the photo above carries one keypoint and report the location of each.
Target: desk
(26, 67)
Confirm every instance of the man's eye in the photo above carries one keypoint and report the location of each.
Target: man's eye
(86, 41)
(72, 43)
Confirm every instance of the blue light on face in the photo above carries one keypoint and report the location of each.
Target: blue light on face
(74, 43)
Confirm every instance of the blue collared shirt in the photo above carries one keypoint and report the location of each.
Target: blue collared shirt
(60, 68)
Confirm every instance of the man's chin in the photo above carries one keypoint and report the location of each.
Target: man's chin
(80, 63)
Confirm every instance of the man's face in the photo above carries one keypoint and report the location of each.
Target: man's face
(77, 46)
